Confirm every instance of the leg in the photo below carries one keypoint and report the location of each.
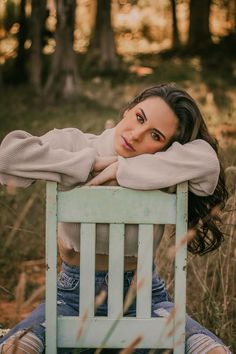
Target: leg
(199, 340)
(217, 351)
(28, 336)
(22, 342)
(26, 330)
(205, 344)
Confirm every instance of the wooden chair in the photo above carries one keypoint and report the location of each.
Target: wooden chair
(116, 206)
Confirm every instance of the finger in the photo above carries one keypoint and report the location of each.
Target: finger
(99, 179)
(102, 162)
(94, 174)
(112, 182)
(107, 174)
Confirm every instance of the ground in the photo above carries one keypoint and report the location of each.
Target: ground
(99, 100)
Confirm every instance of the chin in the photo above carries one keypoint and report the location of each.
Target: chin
(126, 154)
(121, 151)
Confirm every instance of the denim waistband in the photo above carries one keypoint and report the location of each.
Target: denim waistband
(75, 270)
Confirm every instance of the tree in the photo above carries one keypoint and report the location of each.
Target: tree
(199, 31)
(175, 32)
(62, 77)
(1, 80)
(232, 15)
(235, 16)
(37, 21)
(102, 49)
(20, 65)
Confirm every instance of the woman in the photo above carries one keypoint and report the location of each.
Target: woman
(161, 140)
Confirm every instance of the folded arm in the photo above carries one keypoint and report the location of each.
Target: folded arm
(62, 156)
(195, 162)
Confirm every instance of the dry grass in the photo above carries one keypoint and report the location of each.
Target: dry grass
(211, 293)
(211, 290)
(211, 281)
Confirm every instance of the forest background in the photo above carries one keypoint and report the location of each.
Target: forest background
(76, 63)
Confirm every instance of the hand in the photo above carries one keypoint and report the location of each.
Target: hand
(107, 175)
(102, 162)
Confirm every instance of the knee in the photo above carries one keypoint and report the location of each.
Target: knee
(202, 343)
(23, 343)
(218, 350)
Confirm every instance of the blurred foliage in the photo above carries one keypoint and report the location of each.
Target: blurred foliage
(12, 14)
(144, 45)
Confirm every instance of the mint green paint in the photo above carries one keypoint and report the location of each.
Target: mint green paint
(117, 206)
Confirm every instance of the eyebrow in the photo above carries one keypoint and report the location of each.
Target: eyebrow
(158, 131)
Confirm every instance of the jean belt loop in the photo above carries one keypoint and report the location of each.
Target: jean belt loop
(106, 278)
(130, 276)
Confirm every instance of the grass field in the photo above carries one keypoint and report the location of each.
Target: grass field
(211, 294)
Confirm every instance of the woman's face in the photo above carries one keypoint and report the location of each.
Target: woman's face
(145, 128)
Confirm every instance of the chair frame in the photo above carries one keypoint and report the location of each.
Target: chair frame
(116, 206)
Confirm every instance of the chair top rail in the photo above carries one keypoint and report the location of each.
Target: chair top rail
(116, 205)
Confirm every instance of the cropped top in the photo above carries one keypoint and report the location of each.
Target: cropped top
(67, 157)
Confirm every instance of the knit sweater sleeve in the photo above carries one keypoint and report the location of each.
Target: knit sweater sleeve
(195, 162)
(61, 155)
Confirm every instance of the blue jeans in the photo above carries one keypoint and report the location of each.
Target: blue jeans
(68, 305)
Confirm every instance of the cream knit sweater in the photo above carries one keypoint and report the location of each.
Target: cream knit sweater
(67, 156)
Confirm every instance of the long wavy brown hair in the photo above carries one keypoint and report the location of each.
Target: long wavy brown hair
(203, 211)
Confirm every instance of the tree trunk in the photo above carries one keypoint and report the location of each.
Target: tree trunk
(175, 32)
(199, 31)
(231, 15)
(102, 49)
(1, 80)
(38, 14)
(234, 16)
(20, 66)
(63, 73)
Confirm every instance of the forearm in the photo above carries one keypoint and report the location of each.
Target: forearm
(195, 162)
(25, 158)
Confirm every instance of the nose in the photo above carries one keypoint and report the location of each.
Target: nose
(137, 133)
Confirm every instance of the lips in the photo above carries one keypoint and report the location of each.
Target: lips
(127, 145)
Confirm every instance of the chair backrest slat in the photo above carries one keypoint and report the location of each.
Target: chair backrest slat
(51, 267)
(116, 206)
(87, 268)
(116, 270)
(180, 265)
(144, 271)
(85, 205)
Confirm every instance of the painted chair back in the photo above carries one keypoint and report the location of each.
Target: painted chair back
(116, 206)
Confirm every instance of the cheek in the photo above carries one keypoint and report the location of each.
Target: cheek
(151, 147)
(123, 124)
(154, 147)
(119, 129)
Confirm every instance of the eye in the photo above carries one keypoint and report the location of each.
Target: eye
(140, 119)
(155, 135)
